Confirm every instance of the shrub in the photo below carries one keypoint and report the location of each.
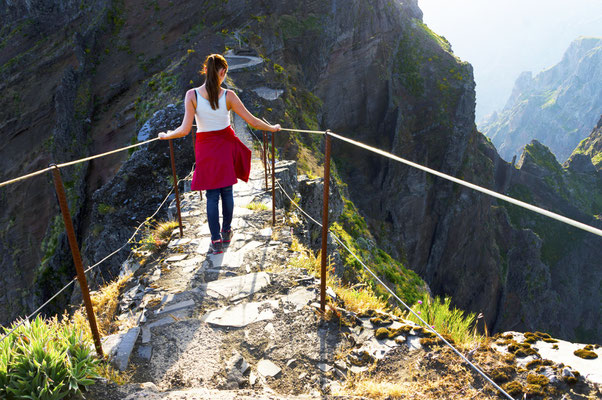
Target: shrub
(46, 359)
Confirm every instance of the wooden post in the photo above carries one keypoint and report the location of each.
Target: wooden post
(325, 221)
(265, 164)
(175, 184)
(273, 183)
(77, 259)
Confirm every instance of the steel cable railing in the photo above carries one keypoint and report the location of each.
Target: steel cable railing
(129, 241)
(431, 328)
(444, 176)
(66, 164)
(81, 274)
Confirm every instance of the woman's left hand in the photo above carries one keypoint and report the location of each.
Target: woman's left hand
(163, 135)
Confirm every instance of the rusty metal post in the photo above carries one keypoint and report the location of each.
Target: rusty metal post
(265, 164)
(77, 259)
(273, 183)
(325, 221)
(175, 184)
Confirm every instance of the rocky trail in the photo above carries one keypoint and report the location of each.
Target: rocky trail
(246, 325)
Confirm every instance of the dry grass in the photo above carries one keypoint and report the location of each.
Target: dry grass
(105, 302)
(163, 230)
(355, 299)
(420, 383)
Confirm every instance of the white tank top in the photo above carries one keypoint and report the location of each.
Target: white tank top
(208, 119)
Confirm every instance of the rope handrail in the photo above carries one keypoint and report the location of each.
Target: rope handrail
(29, 317)
(539, 210)
(431, 328)
(66, 164)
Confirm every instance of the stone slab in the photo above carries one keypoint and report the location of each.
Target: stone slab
(300, 297)
(146, 335)
(227, 259)
(145, 352)
(179, 242)
(176, 258)
(240, 315)
(267, 368)
(266, 232)
(176, 306)
(237, 287)
(124, 349)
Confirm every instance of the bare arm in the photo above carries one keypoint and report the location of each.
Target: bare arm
(184, 128)
(235, 104)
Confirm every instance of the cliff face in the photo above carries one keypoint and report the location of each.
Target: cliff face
(558, 106)
(369, 70)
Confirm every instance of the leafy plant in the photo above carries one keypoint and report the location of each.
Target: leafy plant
(45, 359)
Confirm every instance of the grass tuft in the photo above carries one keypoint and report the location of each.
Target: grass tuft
(256, 206)
(448, 320)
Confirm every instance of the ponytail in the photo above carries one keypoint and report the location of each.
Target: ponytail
(213, 63)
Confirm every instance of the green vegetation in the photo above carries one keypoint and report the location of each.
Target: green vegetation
(46, 359)
(295, 27)
(353, 231)
(407, 63)
(447, 320)
(156, 235)
(440, 40)
(256, 206)
(104, 209)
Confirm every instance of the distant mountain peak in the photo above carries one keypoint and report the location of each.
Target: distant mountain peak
(558, 106)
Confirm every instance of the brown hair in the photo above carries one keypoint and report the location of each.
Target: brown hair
(213, 63)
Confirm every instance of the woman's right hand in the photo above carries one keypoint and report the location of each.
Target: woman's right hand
(275, 128)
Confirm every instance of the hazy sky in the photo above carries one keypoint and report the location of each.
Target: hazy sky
(501, 39)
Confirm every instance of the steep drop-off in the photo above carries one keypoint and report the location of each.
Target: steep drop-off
(558, 106)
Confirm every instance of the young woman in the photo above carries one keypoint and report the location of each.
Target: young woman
(220, 156)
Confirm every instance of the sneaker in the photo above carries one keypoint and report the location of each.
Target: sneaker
(215, 247)
(226, 236)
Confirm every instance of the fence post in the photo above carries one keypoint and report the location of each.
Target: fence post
(273, 184)
(175, 184)
(265, 164)
(77, 259)
(325, 221)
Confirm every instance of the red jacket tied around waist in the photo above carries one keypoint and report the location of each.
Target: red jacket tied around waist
(221, 158)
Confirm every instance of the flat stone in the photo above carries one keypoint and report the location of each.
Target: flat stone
(266, 232)
(146, 335)
(176, 258)
(179, 242)
(267, 93)
(252, 245)
(239, 315)
(110, 343)
(300, 297)
(267, 368)
(269, 328)
(166, 320)
(292, 363)
(145, 352)
(176, 307)
(324, 367)
(237, 287)
(357, 370)
(227, 259)
(413, 342)
(124, 349)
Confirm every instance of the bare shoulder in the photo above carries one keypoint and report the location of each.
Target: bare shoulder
(232, 99)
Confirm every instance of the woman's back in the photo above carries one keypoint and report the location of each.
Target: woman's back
(208, 119)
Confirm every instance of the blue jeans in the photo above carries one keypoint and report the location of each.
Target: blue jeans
(213, 210)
